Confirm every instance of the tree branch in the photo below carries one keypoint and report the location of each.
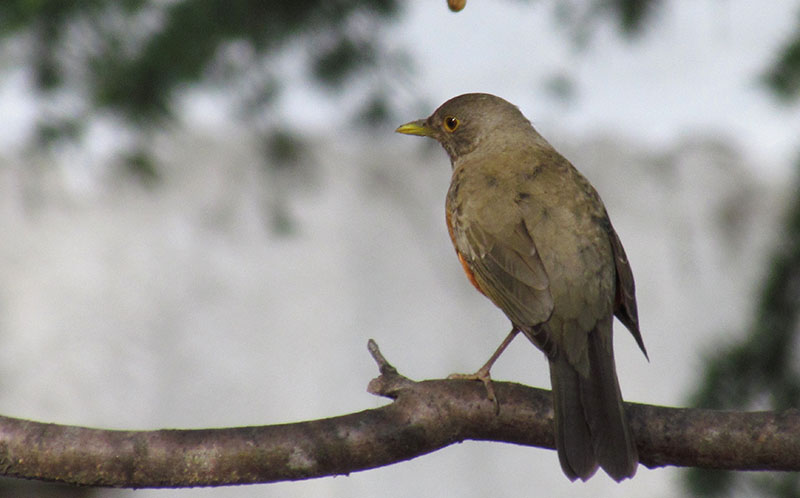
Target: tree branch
(424, 417)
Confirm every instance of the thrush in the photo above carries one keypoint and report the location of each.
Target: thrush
(533, 236)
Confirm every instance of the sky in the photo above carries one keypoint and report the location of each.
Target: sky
(693, 71)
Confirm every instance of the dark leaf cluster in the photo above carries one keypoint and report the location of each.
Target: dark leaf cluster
(760, 371)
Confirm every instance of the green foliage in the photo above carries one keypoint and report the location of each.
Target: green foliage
(709, 483)
(333, 64)
(284, 148)
(783, 78)
(759, 371)
(374, 112)
(631, 14)
(129, 57)
(141, 166)
(48, 133)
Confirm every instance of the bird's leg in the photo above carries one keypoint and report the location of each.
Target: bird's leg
(483, 374)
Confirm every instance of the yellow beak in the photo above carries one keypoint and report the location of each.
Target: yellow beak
(415, 128)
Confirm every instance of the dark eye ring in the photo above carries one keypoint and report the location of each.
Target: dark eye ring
(451, 123)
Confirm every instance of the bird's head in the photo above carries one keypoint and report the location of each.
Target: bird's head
(464, 122)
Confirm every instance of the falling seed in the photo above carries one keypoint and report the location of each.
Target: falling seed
(456, 5)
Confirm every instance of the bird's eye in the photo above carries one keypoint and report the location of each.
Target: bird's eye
(451, 123)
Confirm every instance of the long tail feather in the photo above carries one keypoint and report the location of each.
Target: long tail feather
(590, 422)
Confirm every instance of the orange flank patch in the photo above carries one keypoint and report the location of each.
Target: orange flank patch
(467, 270)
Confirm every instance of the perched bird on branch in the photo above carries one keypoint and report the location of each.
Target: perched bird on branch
(534, 237)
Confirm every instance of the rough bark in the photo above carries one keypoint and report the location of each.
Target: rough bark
(424, 417)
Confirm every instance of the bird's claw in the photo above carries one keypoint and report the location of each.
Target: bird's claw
(484, 376)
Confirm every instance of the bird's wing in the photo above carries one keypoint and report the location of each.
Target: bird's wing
(625, 302)
(509, 271)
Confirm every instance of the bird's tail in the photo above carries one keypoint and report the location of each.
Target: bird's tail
(590, 423)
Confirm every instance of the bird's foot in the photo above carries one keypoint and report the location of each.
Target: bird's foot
(483, 375)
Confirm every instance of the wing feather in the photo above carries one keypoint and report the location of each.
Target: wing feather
(511, 273)
(625, 302)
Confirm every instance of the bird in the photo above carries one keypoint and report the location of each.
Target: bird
(533, 235)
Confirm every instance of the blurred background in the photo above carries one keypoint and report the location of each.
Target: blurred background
(206, 214)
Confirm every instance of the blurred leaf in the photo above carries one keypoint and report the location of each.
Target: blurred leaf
(760, 370)
(632, 14)
(281, 222)
(709, 483)
(374, 112)
(332, 66)
(141, 166)
(783, 77)
(51, 132)
(284, 148)
(20, 488)
(581, 17)
(787, 485)
(562, 87)
(132, 56)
